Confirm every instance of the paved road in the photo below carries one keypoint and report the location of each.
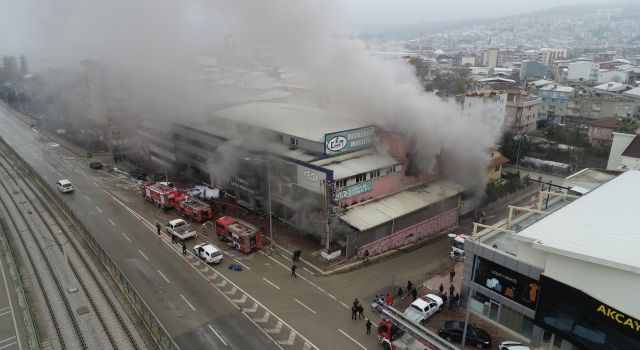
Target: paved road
(10, 320)
(200, 305)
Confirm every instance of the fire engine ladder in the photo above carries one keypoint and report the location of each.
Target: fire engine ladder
(417, 331)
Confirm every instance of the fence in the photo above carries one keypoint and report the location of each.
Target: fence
(510, 197)
(155, 328)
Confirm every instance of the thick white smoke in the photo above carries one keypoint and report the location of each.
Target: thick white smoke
(154, 43)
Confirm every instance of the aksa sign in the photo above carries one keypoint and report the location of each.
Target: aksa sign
(348, 141)
(354, 190)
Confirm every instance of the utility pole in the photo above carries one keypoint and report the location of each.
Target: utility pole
(327, 200)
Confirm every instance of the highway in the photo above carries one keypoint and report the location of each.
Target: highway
(261, 307)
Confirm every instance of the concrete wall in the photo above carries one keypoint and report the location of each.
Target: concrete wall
(619, 144)
(631, 163)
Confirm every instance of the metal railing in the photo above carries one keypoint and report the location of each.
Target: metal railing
(151, 322)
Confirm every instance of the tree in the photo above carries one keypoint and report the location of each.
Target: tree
(509, 145)
(627, 125)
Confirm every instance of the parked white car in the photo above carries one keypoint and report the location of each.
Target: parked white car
(512, 345)
(422, 308)
(208, 252)
(64, 185)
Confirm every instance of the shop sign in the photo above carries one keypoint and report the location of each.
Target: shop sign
(348, 141)
(242, 184)
(506, 282)
(354, 190)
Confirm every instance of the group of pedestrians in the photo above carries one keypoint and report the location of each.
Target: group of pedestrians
(174, 239)
(357, 313)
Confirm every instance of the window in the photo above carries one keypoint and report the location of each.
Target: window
(361, 177)
(341, 183)
(374, 174)
(294, 141)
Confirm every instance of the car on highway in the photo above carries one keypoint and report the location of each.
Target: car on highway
(423, 308)
(64, 186)
(512, 345)
(453, 331)
(208, 252)
(95, 165)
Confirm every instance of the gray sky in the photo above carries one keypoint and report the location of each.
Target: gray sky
(395, 12)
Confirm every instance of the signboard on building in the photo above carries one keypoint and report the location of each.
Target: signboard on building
(354, 190)
(310, 179)
(348, 141)
(506, 282)
(242, 184)
(584, 321)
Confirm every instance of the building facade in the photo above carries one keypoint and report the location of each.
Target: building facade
(531, 70)
(522, 112)
(583, 72)
(555, 102)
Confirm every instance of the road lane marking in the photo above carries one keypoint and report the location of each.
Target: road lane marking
(98, 209)
(8, 345)
(217, 335)
(10, 338)
(112, 223)
(141, 253)
(345, 305)
(271, 283)
(13, 316)
(163, 276)
(5, 313)
(152, 229)
(125, 236)
(327, 293)
(87, 198)
(188, 303)
(305, 306)
(243, 265)
(353, 340)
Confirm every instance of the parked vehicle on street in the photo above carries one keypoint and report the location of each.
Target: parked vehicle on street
(512, 345)
(138, 174)
(422, 308)
(453, 331)
(208, 252)
(180, 229)
(195, 210)
(161, 195)
(95, 165)
(244, 236)
(64, 186)
(457, 247)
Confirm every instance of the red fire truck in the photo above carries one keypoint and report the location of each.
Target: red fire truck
(244, 236)
(161, 195)
(196, 210)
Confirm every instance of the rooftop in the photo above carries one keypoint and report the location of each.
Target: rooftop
(611, 87)
(377, 212)
(606, 122)
(556, 87)
(633, 150)
(345, 168)
(635, 92)
(304, 122)
(589, 178)
(583, 229)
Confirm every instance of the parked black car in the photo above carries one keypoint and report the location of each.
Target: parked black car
(453, 330)
(138, 174)
(95, 165)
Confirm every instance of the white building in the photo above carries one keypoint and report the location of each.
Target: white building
(522, 113)
(583, 72)
(490, 106)
(611, 75)
(490, 58)
(564, 274)
(625, 152)
(548, 55)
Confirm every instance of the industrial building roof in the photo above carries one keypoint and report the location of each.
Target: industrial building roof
(600, 227)
(303, 122)
(351, 167)
(611, 87)
(587, 179)
(377, 212)
(635, 93)
(555, 87)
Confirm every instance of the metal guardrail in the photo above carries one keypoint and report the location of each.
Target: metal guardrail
(156, 329)
(30, 327)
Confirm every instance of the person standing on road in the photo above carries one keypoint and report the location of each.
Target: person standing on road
(368, 325)
(452, 274)
(173, 238)
(414, 293)
(451, 289)
(441, 288)
(184, 248)
(388, 299)
(356, 302)
(400, 292)
(158, 227)
(360, 312)
(409, 286)
(293, 270)
(354, 312)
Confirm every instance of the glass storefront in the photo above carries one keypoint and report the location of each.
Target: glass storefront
(502, 314)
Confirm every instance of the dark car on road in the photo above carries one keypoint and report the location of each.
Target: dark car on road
(453, 330)
(95, 165)
(138, 174)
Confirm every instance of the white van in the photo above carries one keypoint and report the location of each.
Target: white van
(64, 186)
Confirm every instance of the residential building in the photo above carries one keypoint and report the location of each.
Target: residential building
(595, 106)
(540, 274)
(384, 199)
(611, 75)
(521, 112)
(490, 58)
(548, 55)
(494, 168)
(468, 60)
(582, 72)
(600, 132)
(530, 70)
(634, 94)
(555, 102)
(625, 152)
(490, 106)
(610, 88)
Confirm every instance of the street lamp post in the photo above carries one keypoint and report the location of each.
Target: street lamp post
(268, 197)
(518, 153)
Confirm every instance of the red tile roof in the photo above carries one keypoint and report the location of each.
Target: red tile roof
(607, 122)
(498, 161)
(633, 150)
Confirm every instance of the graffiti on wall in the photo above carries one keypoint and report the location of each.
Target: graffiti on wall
(412, 234)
